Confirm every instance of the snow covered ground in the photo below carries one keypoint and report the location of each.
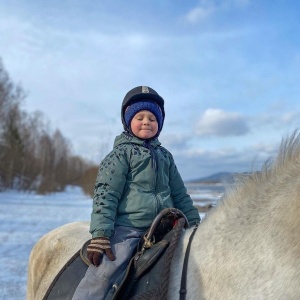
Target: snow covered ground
(24, 218)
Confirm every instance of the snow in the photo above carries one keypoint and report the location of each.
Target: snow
(24, 219)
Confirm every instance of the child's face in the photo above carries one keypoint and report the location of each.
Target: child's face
(144, 125)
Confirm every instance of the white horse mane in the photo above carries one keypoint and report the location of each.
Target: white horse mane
(275, 174)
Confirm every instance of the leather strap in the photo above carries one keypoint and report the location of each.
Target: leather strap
(183, 289)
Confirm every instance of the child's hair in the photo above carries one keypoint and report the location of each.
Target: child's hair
(142, 98)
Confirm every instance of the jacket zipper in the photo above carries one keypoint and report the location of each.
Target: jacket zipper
(155, 191)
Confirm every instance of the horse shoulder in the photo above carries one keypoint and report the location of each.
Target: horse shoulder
(51, 253)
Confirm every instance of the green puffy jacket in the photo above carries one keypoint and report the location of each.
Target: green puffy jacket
(134, 184)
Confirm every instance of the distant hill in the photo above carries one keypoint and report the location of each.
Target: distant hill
(221, 177)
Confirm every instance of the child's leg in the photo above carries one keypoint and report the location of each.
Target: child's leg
(99, 280)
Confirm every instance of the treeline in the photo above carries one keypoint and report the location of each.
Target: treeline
(31, 157)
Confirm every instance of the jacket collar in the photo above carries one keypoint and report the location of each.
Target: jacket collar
(125, 138)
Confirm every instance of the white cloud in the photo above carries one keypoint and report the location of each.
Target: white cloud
(207, 8)
(199, 14)
(280, 120)
(174, 140)
(196, 163)
(221, 123)
(290, 117)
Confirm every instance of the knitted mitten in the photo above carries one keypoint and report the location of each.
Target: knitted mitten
(96, 248)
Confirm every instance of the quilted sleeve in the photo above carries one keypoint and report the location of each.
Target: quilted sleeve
(109, 187)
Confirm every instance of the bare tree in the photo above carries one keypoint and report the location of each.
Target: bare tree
(31, 157)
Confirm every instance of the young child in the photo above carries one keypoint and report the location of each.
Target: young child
(136, 180)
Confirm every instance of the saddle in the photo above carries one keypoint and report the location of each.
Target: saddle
(147, 274)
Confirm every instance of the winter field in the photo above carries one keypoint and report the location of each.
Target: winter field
(24, 218)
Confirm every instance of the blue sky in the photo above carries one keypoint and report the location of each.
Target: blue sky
(228, 71)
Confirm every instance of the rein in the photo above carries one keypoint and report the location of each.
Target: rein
(183, 289)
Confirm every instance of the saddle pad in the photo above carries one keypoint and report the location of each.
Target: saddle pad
(67, 280)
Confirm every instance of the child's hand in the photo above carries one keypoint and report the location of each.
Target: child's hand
(96, 248)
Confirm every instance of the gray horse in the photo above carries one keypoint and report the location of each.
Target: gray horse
(247, 247)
